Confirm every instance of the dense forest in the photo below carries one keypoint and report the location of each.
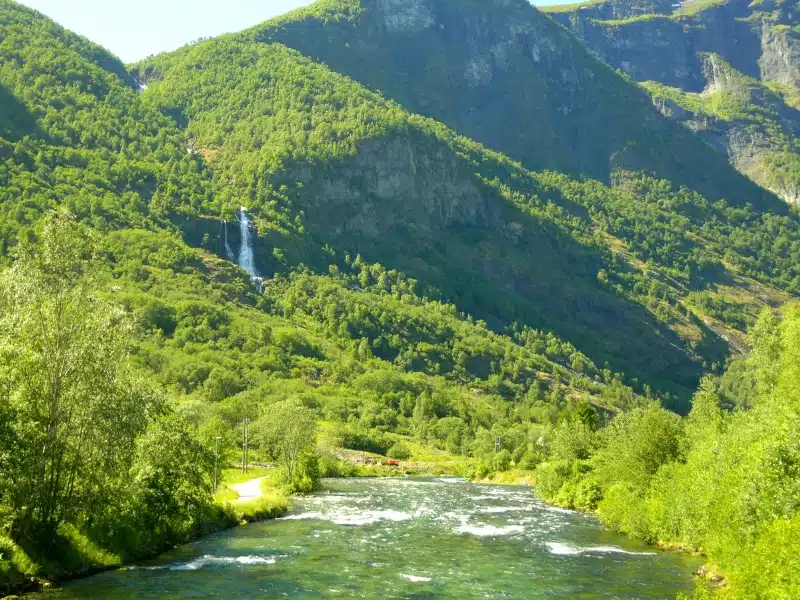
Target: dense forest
(723, 480)
(419, 291)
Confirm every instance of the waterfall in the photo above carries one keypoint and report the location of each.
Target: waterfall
(228, 250)
(246, 256)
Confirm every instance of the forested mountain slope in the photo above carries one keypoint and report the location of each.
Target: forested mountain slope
(505, 75)
(79, 137)
(415, 282)
(646, 278)
(330, 169)
(75, 134)
(728, 70)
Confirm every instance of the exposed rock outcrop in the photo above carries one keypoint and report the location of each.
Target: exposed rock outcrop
(725, 60)
(502, 73)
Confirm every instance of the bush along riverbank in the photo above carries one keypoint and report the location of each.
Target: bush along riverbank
(74, 553)
(723, 481)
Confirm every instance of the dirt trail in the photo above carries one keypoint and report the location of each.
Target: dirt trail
(248, 490)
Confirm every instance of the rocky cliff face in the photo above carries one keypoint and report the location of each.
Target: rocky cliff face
(502, 73)
(780, 55)
(671, 44)
(663, 45)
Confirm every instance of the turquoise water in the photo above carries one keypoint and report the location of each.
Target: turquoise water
(406, 538)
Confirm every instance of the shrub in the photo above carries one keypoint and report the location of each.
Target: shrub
(623, 509)
(330, 466)
(550, 477)
(530, 460)
(399, 451)
(15, 565)
(307, 473)
(366, 441)
(502, 460)
(772, 570)
(587, 494)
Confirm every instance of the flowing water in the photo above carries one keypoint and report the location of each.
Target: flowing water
(406, 538)
(246, 254)
(228, 249)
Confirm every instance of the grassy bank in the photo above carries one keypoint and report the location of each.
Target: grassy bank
(510, 477)
(399, 455)
(273, 503)
(78, 556)
(73, 554)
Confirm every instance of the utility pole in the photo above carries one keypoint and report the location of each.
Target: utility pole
(498, 443)
(245, 423)
(216, 460)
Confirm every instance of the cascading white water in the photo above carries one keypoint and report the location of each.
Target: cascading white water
(246, 255)
(228, 250)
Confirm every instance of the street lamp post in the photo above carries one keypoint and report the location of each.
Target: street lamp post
(216, 460)
(245, 423)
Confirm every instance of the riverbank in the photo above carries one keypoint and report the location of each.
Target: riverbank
(80, 557)
(709, 573)
(235, 503)
(405, 537)
(19, 574)
(272, 501)
(253, 496)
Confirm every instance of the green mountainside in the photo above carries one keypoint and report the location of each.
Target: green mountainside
(330, 169)
(728, 70)
(503, 74)
(92, 146)
(653, 281)
(369, 179)
(453, 249)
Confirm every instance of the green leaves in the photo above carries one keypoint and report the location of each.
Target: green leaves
(172, 476)
(287, 432)
(75, 409)
(728, 486)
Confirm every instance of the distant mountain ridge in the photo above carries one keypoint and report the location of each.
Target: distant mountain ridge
(642, 275)
(731, 70)
(503, 74)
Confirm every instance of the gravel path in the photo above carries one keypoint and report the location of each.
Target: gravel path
(249, 490)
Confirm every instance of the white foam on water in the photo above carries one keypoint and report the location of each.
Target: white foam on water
(369, 517)
(562, 549)
(206, 560)
(222, 560)
(452, 515)
(555, 509)
(302, 516)
(423, 510)
(415, 578)
(492, 510)
(490, 530)
(615, 550)
(343, 517)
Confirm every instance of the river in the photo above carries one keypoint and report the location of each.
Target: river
(405, 538)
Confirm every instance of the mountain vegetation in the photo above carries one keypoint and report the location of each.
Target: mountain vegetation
(725, 69)
(531, 269)
(721, 481)
(484, 68)
(610, 260)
